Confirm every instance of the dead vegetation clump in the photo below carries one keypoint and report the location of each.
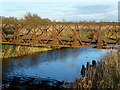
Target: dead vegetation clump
(106, 74)
(108, 71)
(85, 81)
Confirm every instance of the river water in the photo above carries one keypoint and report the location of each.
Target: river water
(56, 65)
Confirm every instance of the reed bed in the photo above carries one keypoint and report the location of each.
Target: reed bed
(103, 74)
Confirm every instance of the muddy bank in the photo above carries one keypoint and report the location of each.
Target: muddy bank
(9, 51)
(23, 83)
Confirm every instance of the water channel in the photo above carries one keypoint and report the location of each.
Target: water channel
(52, 66)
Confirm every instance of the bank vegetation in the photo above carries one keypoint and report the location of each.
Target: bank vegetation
(102, 75)
(9, 51)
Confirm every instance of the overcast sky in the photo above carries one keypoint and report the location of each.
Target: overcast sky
(70, 10)
(61, 0)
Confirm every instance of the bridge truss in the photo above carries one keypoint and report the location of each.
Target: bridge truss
(84, 35)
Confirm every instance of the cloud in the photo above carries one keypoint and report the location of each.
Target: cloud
(92, 9)
(15, 9)
(57, 11)
(92, 16)
(105, 12)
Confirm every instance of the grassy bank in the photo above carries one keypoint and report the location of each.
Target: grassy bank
(17, 51)
(105, 74)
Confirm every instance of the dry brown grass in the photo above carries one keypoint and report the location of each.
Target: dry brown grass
(108, 71)
(105, 75)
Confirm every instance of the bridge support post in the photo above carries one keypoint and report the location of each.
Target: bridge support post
(55, 41)
(16, 34)
(99, 44)
(99, 39)
(75, 35)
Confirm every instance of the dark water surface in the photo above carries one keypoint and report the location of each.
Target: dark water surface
(48, 68)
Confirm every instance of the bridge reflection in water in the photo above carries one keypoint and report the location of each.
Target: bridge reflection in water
(82, 35)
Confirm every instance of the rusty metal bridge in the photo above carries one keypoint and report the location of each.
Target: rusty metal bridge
(84, 35)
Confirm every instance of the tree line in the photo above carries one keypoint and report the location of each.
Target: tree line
(29, 17)
(26, 18)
